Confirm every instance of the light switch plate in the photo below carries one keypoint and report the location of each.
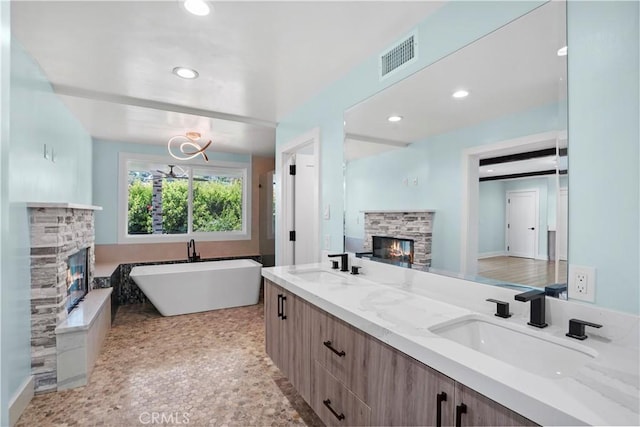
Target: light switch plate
(327, 212)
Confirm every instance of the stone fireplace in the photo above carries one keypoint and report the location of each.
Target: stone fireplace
(416, 226)
(57, 231)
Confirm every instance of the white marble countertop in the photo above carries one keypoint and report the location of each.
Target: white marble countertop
(399, 311)
(86, 312)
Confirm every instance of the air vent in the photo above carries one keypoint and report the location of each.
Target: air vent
(398, 56)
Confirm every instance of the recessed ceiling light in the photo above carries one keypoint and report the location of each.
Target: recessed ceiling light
(562, 51)
(394, 118)
(185, 73)
(460, 93)
(197, 7)
(489, 170)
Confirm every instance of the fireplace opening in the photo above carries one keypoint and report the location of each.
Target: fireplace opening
(393, 249)
(77, 278)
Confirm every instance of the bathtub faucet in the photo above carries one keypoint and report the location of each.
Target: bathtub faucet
(192, 256)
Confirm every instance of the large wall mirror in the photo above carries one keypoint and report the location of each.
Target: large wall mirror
(471, 151)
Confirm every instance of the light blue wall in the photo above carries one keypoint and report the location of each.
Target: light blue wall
(36, 116)
(437, 163)
(7, 296)
(450, 28)
(603, 131)
(39, 117)
(604, 178)
(105, 180)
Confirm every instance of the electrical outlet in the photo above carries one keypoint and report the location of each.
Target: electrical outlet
(582, 283)
(327, 241)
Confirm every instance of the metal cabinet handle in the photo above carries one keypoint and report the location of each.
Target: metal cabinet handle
(440, 397)
(279, 305)
(284, 316)
(340, 353)
(460, 409)
(327, 403)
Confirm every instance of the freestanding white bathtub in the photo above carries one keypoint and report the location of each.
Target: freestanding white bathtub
(199, 286)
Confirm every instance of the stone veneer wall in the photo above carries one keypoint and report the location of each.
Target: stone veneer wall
(407, 225)
(56, 233)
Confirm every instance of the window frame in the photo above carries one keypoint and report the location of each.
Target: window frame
(123, 201)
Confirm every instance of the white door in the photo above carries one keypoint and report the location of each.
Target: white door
(522, 223)
(306, 240)
(561, 223)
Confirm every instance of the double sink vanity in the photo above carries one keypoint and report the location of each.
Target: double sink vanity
(395, 346)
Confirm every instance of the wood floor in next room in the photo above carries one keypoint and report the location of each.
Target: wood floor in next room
(201, 369)
(524, 271)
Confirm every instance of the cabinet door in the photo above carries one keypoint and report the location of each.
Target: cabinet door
(480, 410)
(272, 322)
(334, 403)
(295, 353)
(342, 350)
(406, 392)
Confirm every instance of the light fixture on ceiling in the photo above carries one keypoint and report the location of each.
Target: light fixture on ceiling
(489, 170)
(460, 94)
(394, 119)
(562, 51)
(188, 141)
(185, 73)
(197, 7)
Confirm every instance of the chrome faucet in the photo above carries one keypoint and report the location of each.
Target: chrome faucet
(537, 315)
(192, 256)
(344, 261)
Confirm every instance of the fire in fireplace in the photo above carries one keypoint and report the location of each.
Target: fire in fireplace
(77, 278)
(393, 249)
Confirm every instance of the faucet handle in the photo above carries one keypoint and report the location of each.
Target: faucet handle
(502, 308)
(334, 264)
(355, 269)
(576, 328)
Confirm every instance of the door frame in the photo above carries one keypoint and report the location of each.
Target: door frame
(284, 215)
(566, 237)
(470, 187)
(536, 238)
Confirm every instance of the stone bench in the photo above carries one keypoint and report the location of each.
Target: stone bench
(80, 337)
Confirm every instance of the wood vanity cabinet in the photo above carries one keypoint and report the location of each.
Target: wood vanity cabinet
(351, 379)
(479, 410)
(406, 392)
(286, 336)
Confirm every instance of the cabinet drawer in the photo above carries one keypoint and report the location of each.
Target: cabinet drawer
(342, 350)
(334, 403)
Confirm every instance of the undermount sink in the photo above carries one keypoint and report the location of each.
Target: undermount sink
(547, 356)
(321, 276)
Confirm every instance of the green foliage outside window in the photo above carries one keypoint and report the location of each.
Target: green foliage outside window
(217, 205)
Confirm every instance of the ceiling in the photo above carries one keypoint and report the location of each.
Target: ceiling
(111, 61)
(510, 70)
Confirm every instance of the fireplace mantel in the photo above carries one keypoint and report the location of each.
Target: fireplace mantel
(400, 211)
(62, 205)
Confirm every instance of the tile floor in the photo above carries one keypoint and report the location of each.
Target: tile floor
(198, 369)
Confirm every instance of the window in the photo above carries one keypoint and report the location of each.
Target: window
(167, 202)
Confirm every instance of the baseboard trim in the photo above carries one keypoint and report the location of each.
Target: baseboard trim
(20, 400)
(491, 254)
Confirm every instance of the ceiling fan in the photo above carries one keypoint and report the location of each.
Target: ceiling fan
(182, 175)
(172, 175)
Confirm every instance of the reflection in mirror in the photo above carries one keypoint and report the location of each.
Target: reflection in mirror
(468, 159)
